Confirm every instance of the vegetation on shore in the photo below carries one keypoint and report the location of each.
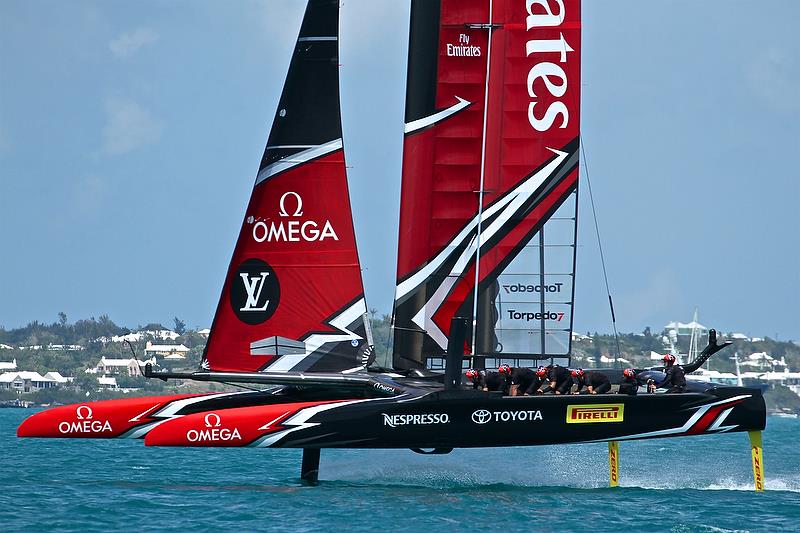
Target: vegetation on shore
(587, 352)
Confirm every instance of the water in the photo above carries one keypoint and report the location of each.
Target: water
(681, 485)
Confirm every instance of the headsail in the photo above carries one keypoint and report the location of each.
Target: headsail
(490, 174)
(293, 298)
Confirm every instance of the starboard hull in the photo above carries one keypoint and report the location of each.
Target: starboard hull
(442, 420)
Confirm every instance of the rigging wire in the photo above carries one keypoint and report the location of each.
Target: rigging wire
(600, 246)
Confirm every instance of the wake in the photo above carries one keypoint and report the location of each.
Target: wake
(569, 467)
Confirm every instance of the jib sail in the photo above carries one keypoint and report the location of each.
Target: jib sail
(293, 298)
(490, 176)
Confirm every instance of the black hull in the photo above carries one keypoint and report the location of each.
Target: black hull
(456, 420)
(420, 414)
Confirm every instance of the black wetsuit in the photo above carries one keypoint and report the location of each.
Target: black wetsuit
(526, 380)
(676, 379)
(629, 386)
(494, 381)
(599, 383)
(562, 377)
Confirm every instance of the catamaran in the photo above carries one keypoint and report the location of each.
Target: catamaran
(485, 273)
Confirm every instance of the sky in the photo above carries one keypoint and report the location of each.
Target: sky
(130, 135)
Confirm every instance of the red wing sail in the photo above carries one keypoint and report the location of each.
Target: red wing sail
(293, 298)
(486, 164)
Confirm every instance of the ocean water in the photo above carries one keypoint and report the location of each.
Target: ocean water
(681, 485)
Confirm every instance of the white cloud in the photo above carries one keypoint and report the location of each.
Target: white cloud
(129, 126)
(129, 42)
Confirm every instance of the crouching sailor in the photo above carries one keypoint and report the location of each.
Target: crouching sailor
(594, 381)
(560, 380)
(629, 385)
(523, 381)
(676, 377)
(487, 381)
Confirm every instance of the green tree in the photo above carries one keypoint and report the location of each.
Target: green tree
(180, 326)
(86, 382)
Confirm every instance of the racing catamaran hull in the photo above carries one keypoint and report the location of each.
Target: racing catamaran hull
(465, 419)
(419, 415)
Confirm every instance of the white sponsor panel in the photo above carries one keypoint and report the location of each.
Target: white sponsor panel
(484, 416)
(253, 286)
(547, 14)
(290, 207)
(415, 420)
(213, 431)
(85, 423)
(463, 48)
(521, 291)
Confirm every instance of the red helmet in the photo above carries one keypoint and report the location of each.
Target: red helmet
(472, 374)
(577, 373)
(541, 371)
(504, 369)
(669, 359)
(629, 372)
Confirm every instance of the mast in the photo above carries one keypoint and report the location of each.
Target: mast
(480, 364)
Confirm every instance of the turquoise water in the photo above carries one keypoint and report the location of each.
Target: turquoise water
(688, 484)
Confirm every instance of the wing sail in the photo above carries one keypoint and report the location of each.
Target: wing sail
(496, 87)
(293, 298)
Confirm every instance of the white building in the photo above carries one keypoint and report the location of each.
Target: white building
(738, 336)
(578, 337)
(108, 382)
(167, 351)
(158, 334)
(8, 365)
(713, 376)
(205, 332)
(25, 381)
(65, 347)
(685, 329)
(130, 367)
(6, 346)
(607, 360)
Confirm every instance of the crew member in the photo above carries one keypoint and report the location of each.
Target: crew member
(474, 376)
(560, 380)
(524, 381)
(594, 381)
(629, 385)
(676, 377)
(541, 374)
(487, 381)
(505, 371)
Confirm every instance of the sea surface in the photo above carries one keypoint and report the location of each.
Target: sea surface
(681, 485)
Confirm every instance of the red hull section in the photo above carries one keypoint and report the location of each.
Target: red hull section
(235, 427)
(105, 419)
